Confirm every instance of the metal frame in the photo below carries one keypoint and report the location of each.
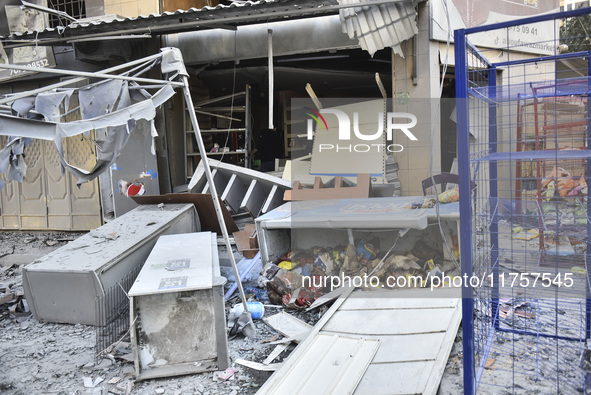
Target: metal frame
(471, 376)
(182, 81)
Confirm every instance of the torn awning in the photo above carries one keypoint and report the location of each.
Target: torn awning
(380, 26)
(111, 106)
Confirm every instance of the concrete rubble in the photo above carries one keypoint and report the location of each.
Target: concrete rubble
(60, 358)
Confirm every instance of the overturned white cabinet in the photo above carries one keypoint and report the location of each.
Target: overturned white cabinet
(63, 285)
(327, 223)
(178, 322)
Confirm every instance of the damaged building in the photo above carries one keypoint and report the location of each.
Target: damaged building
(313, 150)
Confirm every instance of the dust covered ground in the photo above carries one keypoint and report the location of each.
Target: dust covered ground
(47, 358)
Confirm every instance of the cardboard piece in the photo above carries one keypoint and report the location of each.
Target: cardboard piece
(246, 241)
(203, 204)
(339, 191)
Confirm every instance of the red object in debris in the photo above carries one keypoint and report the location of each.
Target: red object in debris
(305, 298)
(226, 374)
(136, 189)
(286, 298)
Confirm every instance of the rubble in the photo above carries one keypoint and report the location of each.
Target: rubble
(46, 357)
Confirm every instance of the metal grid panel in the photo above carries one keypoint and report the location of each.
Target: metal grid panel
(523, 139)
(74, 8)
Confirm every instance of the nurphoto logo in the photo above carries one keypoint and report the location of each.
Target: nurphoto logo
(392, 123)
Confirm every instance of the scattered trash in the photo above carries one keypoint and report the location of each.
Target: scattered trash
(8, 251)
(275, 353)
(30, 239)
(259, 366)
(272, 339)
(131, 188)
(426, 203)
(257, 310)
(329, 297)
(226, 374)
(258, 293)
(574, 269)
(453, 195)
(287, 324)
(526, 235)
(89, 383)
(7, 298)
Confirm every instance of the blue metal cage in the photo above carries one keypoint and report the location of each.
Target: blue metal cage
(523, 139)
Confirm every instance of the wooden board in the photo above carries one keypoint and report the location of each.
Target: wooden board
(339, 191)
(242, 237)
(204, 205)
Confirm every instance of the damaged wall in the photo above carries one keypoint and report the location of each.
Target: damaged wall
(34, 205)
(46, 199)
(422, 101)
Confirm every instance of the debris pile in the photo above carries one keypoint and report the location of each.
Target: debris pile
(300, 277)
(12, 301)
(560, 183)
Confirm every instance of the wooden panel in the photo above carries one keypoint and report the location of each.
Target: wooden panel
(339, 191)
(204, 205)
(414, 342)
(381, 321)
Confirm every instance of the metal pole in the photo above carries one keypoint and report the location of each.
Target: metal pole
(271, 77)
(216, 202)
(74, 80)
(465, 209)
(87, 74)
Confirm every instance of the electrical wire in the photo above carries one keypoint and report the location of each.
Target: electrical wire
(232, 100)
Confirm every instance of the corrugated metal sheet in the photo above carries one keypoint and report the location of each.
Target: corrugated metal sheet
(333, 364)
(243, 12)
(380, 26)
(115, 19)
